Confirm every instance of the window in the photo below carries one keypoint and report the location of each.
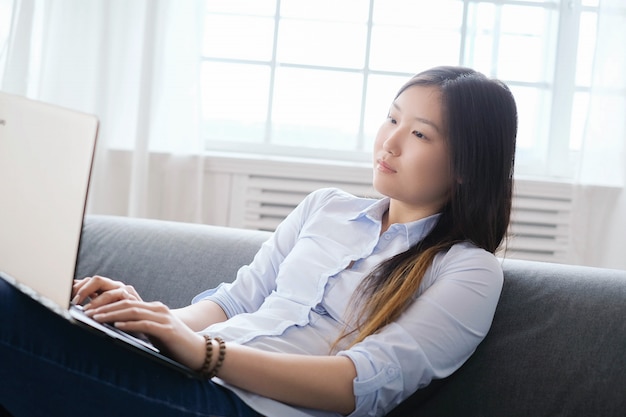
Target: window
(6, 9)
(315, 79)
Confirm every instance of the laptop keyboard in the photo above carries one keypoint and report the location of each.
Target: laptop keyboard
(139, 338)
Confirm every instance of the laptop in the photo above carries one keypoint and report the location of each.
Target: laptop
(46, 157)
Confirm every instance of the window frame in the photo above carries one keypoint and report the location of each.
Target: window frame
(562, 87)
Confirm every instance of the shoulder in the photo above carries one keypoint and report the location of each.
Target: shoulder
(466, 253)
(336, 198)
(331, 193)
(322, 206)
(466, 262)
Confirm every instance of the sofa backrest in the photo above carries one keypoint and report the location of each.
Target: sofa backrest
(166, 261)
(557, 346)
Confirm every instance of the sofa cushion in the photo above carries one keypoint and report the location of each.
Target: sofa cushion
(557, 347)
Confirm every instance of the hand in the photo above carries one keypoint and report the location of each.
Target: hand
(101, 291)
(157, 321)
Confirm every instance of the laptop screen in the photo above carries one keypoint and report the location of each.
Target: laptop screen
(46, 155)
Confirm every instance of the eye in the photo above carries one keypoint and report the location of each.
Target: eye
(391, 120)
(419, 134)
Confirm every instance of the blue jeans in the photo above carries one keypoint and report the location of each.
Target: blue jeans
(50, 367)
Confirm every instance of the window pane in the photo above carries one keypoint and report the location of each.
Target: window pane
(316, 109)
(413, 36)
(242, 7)
(511, 42)
(356, 11)
(528, 66)
(322, 43)
(532, 105)
(523, 53)
(479, 42)
(579, 120)
(441, 14)
(238, 37)
(381, 90)
(6, 7)
(586, 48)
(404, 49)
(234, 101)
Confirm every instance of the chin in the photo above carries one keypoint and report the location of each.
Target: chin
(382, 189)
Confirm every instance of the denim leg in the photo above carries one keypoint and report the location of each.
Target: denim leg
(50, 367)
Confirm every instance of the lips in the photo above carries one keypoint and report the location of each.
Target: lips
(384, 167)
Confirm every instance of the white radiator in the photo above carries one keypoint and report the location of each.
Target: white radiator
(540, 224)
(265, 201)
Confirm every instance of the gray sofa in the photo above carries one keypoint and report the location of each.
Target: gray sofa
(557, 346)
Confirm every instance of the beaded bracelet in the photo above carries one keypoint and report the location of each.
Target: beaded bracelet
(207, 371)
(220, 358)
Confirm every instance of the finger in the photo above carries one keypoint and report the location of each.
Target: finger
(94, 286)
(131, 311)
(78, 285)
(129, 305)
(78, 296)
(111, 296)
(157, 322)
(131, 290)
(88, 286)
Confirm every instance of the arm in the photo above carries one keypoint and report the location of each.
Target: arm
(435, 335)
(200, 315)
(254, 282)
(320, 382)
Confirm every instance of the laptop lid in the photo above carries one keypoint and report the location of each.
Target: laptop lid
(46, 155)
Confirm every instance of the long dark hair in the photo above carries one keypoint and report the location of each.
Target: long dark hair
(480, 119)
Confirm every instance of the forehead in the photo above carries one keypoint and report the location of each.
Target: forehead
(423, 103)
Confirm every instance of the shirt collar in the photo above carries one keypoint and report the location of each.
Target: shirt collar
(417, 230)
(413, 231)
(374, 211)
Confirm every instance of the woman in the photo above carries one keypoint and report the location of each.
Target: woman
(351, 306)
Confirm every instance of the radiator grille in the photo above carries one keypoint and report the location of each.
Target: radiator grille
(540, 222)
(539, 230)
(268, 200)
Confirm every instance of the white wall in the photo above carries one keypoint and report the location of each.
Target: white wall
(613, 254)
(605, 242)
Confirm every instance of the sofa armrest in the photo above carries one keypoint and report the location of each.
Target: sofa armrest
(166, 261)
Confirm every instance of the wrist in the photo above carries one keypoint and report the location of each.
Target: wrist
(215, 351)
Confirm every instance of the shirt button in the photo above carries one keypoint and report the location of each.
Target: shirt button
(387, 237)
(319, 309)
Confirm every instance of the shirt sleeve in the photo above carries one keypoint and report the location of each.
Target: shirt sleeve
(434, 336)
(254, 282)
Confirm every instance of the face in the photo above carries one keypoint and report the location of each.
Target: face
(411, 159)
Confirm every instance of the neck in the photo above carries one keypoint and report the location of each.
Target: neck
(401, 213)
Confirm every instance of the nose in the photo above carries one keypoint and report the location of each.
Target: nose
(391, 143)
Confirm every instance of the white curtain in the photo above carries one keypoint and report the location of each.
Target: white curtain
(598, 223)
(603, 160)
(134, 64)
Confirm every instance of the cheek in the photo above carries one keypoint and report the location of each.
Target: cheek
(379, 139)
(433, 169)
